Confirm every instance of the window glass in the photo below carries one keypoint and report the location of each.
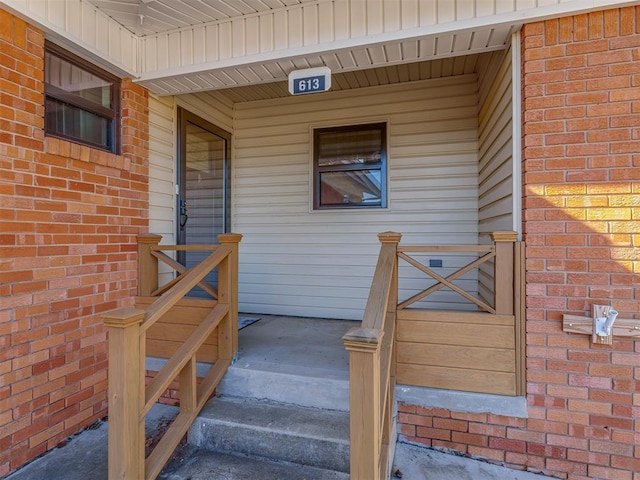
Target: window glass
(81, 101)
(350, 147)
(350, 166)
(361, 187)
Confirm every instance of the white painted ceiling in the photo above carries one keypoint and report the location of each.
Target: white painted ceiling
(146, 17)
(437, 68)
(361, 64)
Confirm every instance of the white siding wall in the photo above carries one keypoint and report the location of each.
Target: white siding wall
(213, 108)
(300, 262)
(162, 172)
(495, 153)
(496, 143)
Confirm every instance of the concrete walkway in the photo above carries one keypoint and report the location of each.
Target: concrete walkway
(85, 458)
(419, 463)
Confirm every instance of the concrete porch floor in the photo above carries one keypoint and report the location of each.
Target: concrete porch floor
(274, 343)
(290, 344)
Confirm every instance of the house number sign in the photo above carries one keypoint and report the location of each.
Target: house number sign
(310, 80)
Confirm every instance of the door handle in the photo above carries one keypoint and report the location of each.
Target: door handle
(183, 214)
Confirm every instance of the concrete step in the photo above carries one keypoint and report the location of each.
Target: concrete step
(292, 360)
(274, 431)
(197, 464)
(303, 386)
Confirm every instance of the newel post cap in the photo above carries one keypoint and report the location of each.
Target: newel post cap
(150, 238)
(504, 236)
(230, 237)
(123, 317)
(389, 237)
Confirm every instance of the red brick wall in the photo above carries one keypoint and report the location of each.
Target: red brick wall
(581, 175)
(69, 217)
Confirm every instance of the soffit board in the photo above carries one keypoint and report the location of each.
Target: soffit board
(181, 46)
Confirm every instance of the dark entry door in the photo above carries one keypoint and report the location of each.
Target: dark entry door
(203, 185)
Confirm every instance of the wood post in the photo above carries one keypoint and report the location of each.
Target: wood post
(504, 285)
(231, 240)
(365, 415)
(147, 264)
(372, 369)
(126, 394)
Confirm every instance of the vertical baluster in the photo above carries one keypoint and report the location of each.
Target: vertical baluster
(188, 388)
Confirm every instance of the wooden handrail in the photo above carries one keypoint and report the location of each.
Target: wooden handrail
(129, 399)
(501, 251)
(184, 286)
(181, 269)
(446, 248)
(178, 360)
(372, 370)
(446, 282)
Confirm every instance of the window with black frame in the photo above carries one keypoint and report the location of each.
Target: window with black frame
(81, 101)
(349, 167)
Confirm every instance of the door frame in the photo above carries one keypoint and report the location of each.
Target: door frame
(185, 117)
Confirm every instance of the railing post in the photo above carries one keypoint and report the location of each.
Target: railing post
(232, 240)
(364, 403)
(147, 264)
(394, 239)
(367, 346)
(126, 387)
(504, 286)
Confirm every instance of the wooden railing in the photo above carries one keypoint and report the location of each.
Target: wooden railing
(372, 354)
(129, 399)
(502, 254)
(372, 370)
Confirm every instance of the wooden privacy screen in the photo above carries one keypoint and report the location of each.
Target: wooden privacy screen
(175, 327)
(472, 351)
(468, 351)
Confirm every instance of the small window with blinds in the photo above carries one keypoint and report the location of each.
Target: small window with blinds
(81, 101)
(349, 167)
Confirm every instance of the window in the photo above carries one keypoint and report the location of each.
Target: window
(81, 101)
(349, 166)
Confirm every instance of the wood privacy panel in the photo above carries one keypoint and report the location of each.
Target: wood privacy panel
(297, 261)
(467, 351)
(174, 328)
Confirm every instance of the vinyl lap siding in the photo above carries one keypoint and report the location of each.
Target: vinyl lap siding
(213, 108)
(320, 263)
(162, 173)
(496, 147)
(495, 153)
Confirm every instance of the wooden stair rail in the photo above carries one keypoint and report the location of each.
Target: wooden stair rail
(372, 370)
(129, 399)
(371, 346)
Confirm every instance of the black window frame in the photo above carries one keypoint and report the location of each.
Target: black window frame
(381, 165)
(112, 114)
